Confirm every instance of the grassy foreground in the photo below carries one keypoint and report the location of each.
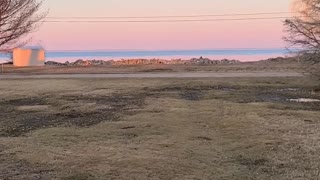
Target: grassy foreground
(225, 128)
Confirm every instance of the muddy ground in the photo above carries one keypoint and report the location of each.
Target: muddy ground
(159, 129)
(112, 107)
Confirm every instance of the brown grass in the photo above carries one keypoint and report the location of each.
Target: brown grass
(228, 128)
(106, 69)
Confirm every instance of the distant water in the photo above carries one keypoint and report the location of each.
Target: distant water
(239, 54)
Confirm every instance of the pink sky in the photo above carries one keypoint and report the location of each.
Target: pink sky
(182, 35)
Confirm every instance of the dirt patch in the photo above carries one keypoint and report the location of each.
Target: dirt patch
(190, 95)
(29, 101)
(240, 94)
(84, 111)
(188, 92)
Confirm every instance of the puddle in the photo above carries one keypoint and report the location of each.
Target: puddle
(270, 98)
(304, 100)
(289, 90)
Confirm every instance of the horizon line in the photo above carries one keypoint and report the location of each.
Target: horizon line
(204, 49)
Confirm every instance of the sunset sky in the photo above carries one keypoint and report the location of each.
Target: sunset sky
(154, 36)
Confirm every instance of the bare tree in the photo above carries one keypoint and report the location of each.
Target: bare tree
(304, 33)
(304, 28)
(18, 18)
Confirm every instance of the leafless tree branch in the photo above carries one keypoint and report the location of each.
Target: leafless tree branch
(18, 18)
(303, 32)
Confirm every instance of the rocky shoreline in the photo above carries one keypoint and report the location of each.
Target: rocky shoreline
(193, 61)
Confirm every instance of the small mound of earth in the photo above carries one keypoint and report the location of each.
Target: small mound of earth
(304, 100)
(35, 108)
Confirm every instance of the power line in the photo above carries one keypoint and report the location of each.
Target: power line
(163, 21)
(151, 17)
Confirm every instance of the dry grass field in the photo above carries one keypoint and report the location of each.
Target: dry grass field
(106, 69)
(223, 128)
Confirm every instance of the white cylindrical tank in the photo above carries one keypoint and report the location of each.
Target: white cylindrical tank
(28, 56)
